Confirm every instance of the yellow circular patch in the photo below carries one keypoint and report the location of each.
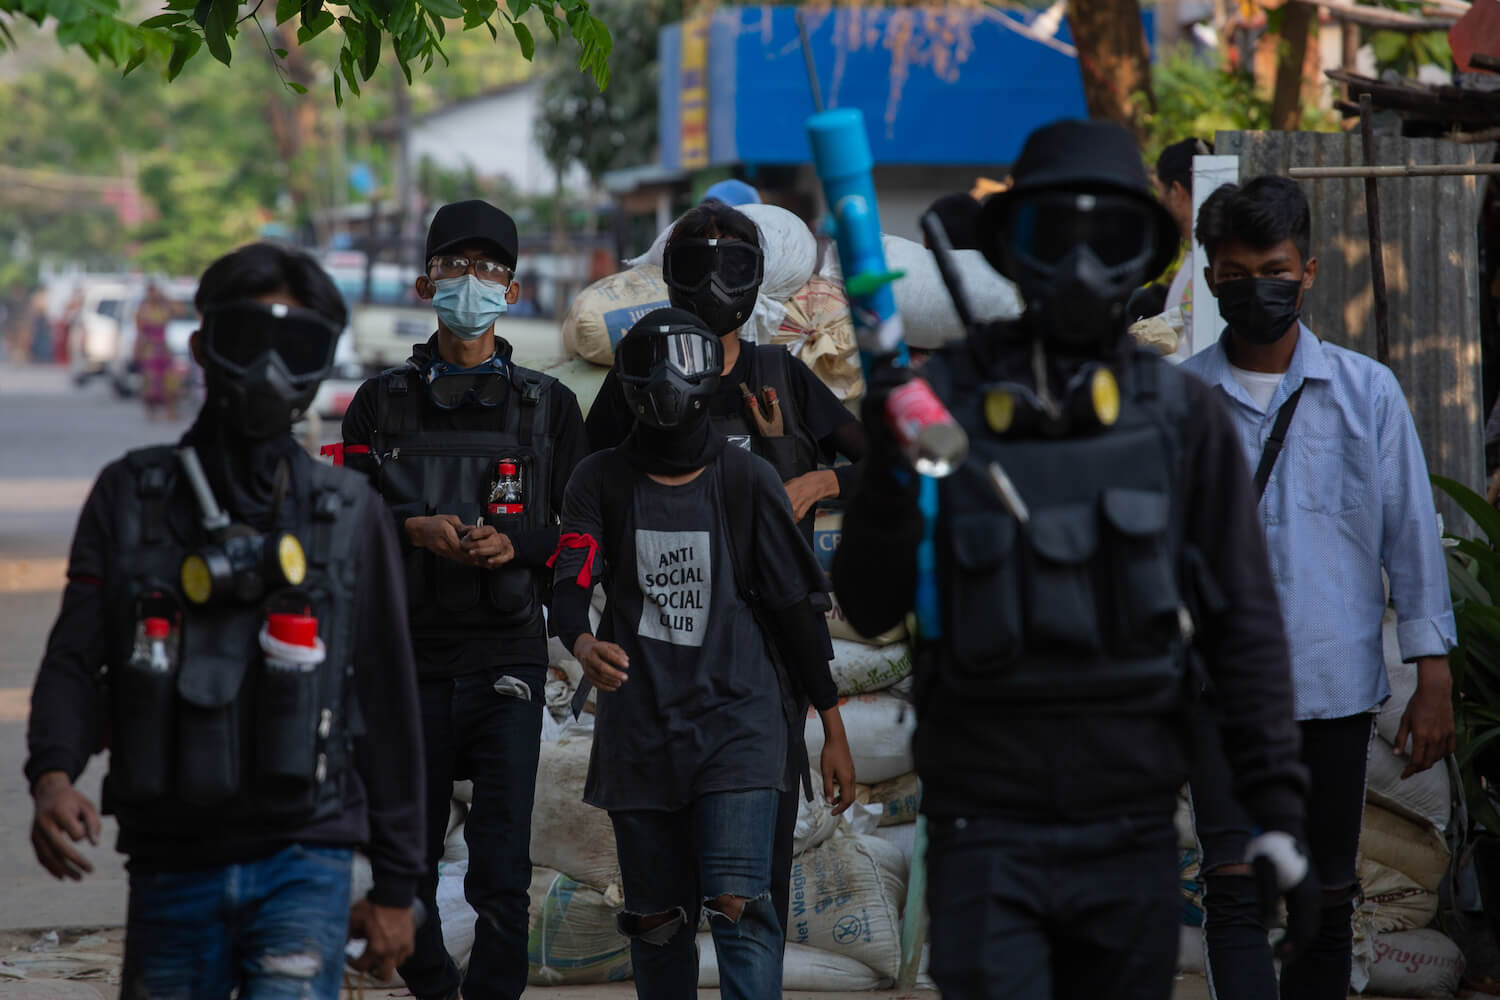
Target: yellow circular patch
(292, 559)
(1106, 395)
(197, 582)
(999, 410)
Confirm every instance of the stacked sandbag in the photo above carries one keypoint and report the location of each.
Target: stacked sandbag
(803, 968)
(845, 901)
(819, 330)
(573, 939)
(879, 727)
(567, 835)
(606, 310)
(1418, 963)
(926, 308)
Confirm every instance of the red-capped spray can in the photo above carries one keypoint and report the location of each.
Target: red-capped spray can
(932, 440)
(507, 494)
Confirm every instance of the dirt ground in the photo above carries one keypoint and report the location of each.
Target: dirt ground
(84, 964)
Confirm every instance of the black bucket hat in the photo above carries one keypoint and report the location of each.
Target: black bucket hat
(1091, 157)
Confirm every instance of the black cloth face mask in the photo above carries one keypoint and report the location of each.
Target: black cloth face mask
(1260, 310)
(689, 446)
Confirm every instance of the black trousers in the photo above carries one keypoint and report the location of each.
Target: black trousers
(1335, 752)
(494, 739)
(1026, 911)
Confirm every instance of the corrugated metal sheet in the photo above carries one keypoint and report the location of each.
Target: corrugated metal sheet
(1430, 228)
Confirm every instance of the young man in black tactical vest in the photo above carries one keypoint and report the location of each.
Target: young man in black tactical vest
(471, 453)
(1104, 495)
(713, 267)
(234, 629)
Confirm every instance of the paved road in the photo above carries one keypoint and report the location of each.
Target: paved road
(56, 438)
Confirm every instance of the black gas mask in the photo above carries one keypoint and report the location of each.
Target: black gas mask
(263, 363)
(1077, 258)
(239, 565)
(669, 368)
(716, 280)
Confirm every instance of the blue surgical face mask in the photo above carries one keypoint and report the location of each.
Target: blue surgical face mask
(468, 306)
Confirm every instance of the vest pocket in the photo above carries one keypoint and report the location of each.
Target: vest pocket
(1145, 593)
(144, 706)
(986, 615)
(1061, 610)
(512, 592)
(218, 647)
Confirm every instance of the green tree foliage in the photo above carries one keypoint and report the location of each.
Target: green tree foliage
(608, 129)
(1197, 96)
(413, 32)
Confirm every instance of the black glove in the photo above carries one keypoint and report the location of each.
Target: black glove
(887, 468)
(1282, 871)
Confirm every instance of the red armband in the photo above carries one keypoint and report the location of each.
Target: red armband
(574, 540)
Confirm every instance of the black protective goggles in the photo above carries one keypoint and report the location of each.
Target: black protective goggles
(689, 265)
(238, 334)
(1117, 229)
(450, 387)
(689, 351)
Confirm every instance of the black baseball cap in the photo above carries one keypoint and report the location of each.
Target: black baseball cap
(473, 221)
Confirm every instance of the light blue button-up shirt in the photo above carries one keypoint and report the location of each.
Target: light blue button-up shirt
(1348, 495)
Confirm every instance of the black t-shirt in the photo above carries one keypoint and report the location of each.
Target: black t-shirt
(701, 710)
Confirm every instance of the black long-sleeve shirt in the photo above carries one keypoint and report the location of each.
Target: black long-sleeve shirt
(385, 805)
(1038, 769)
(526, 646)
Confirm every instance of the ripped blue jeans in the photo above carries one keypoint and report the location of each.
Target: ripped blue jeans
(712, 856)
(273, 929)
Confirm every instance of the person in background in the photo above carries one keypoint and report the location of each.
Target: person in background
(471, 452)
(259, 729)
(160, 381)
(704, 571)
(1347, 497)
(1051, 707)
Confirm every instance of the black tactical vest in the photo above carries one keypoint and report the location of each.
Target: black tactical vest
(223, 741)
(451, 472)
(792, 455)
(1078, 610)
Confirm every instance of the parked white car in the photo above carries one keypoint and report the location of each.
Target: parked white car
(94, 334)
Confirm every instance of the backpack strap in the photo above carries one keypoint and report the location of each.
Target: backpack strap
(533, 389)
(736, 486)
(155, 470)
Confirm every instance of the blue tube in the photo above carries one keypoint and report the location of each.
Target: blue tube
(841, 154)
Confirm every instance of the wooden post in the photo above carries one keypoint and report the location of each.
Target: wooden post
(1377, 253)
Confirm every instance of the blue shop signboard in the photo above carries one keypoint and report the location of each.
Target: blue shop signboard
(937, 85)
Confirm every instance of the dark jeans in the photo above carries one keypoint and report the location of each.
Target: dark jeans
(494, 739)
(1029, 911)
(1335, 752)
(676, 864)
(273, 929)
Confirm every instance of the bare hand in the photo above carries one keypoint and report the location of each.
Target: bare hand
(604, 664)
(62, 814)
(439, 534)
(806, 490)
(488, 548)
(389, 936)
(1428, 718)
(836, 762)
